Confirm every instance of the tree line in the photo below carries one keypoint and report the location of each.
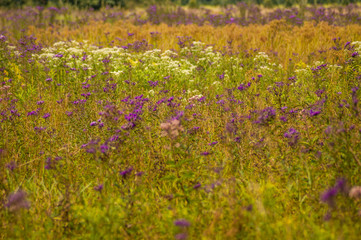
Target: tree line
(97, 4)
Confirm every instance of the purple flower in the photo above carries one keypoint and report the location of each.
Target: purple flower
(50, 163)
(242, 86)
(198, 185)
(181, 236)
(17, 201)
(181, 223)
(46, 115)
(292, 135)
(212, 143)
(265, 116)
(329, 195)
(153, 84)
(2, 38)
(341, 185)
(291, 132)
(104, 148)
(32, 113)
(53, 9)
(126, 172)
(99, 188)
(205, 153)
(92, 124)
(11, 166)
(283, 118)
(314, 112)
(327, 216)
(355, 54)
(249, 208)
(231, 128)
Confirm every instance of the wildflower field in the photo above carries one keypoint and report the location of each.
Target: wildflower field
(176, 123)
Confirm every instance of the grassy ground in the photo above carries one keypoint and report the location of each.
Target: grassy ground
(110, 129)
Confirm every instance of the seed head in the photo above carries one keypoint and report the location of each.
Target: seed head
(171, 129)
(355, 192)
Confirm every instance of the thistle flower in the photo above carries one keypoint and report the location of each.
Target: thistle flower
(17, 201)
(355, 192)
(171, 129)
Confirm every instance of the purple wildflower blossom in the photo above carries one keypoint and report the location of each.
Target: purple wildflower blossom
(181, 236)
(99, 188)
(293, 136)
(355, 54)
(17, 201)
(314, 112)
(182, 223)
(329, 195)
(126, 172)
(212, 143)
(11, 166)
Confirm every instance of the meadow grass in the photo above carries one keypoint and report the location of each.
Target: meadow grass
(118, 130)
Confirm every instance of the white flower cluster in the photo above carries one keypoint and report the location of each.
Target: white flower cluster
(83, 55)
(261, 58)
(357, 45)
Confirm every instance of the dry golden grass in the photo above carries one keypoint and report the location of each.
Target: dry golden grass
(278, 36)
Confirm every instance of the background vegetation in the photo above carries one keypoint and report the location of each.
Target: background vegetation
(162, 123)
(96, 4)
